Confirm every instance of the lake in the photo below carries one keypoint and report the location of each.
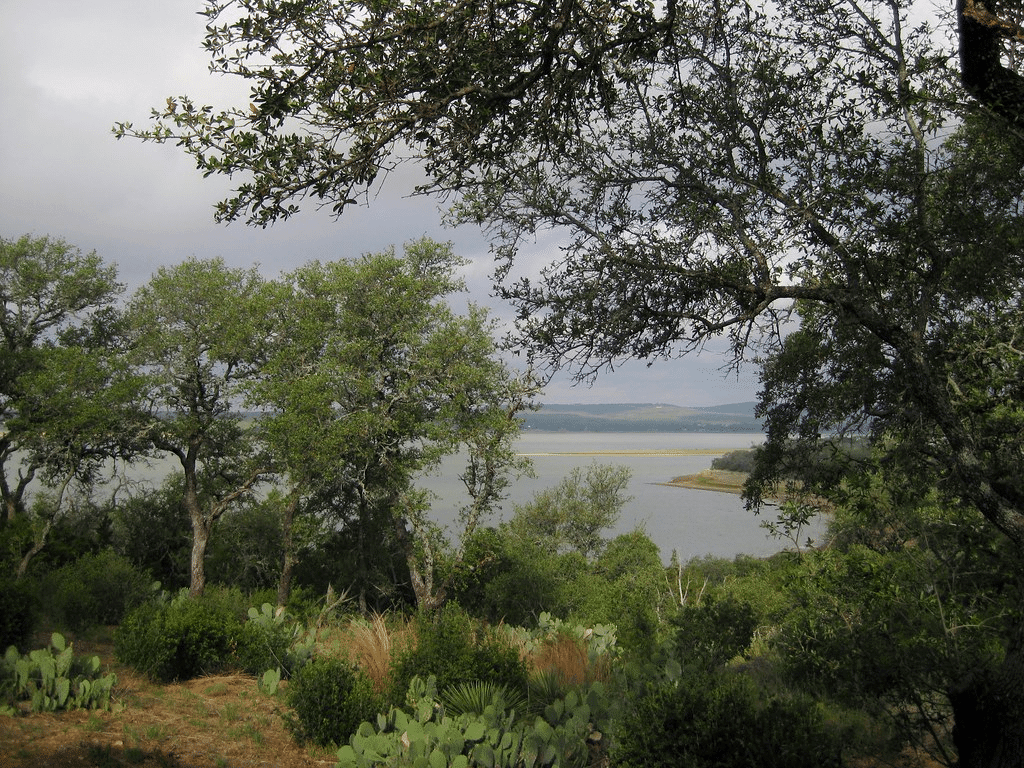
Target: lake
(691, 522)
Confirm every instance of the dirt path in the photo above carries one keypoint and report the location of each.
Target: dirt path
(220, 721)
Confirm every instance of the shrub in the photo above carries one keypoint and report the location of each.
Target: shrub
(722, 720)
(179, 640)
(153, 531)
(272, 641)
(18, 614)
(97, 589)
(736, 461)
(710, 634)
(247, 549)
(330, 698)
(454, 648)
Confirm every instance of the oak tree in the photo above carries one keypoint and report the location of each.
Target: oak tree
(53, 299)
(196, 333)
(370, 381)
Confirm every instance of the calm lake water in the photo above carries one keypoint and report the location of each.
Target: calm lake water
(691, 522)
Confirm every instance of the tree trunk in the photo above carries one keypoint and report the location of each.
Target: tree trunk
(200, 528)
(284, 583)
(988, 712)
(422, 578)
(43, 537)
(200, 539)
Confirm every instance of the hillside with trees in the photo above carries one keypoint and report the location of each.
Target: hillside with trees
(642, 417)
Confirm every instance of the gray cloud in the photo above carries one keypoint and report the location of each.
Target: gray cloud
(71, 70)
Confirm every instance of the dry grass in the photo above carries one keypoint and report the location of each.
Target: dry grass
(712, 480)
(373, 644)
(220, 721)
(566, 657)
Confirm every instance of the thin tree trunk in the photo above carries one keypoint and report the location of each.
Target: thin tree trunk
(41, 539)
(200, 528)
(284, 584)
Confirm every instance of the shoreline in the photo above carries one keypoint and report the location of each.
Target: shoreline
(650, 452)
(723, 481)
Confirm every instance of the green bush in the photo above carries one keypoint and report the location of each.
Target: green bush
(455, 648)
(153, 531)
(329, 698)
(97, 589)
(273, 641)
(736, 461)
(179, 640)
(18, 614)
(721, 720)
(710, 634)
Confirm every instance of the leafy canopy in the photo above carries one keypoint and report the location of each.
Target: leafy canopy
(712, 167)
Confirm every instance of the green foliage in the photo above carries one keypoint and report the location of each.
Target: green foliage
(551, 557)
(713, 632)
(625, 587)
(454, 648)
(51, 679)
(569, 733)
(329, 698)
(178, 640)
(736, 461)
(371, 379)
(271, 640)
(152, 530)
(246, 549)
(96, 589)
(57, 386)
(573, 515)
(19, 613)
(722, 720)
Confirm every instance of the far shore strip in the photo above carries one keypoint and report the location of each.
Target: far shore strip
(652, 452)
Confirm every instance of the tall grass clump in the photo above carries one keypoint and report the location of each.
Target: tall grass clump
(373, 645)
(567, 659)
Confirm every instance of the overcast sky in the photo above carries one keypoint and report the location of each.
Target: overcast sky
(70, 69)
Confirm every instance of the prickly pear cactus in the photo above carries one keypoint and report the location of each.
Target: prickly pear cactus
(52, 679)
(426, 737)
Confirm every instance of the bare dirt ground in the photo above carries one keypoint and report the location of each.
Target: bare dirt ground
(221, 721)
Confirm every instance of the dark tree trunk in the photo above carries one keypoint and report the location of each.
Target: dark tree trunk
(982, 33)
(988, 711)
(284, 583)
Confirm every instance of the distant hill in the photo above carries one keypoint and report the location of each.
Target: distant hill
(642, 417)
